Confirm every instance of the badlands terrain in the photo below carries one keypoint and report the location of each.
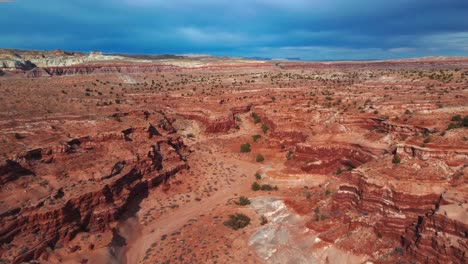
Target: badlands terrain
(177, 159)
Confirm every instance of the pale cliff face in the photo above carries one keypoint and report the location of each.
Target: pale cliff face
(22, 60)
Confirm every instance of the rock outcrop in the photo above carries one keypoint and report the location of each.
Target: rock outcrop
(79, 202)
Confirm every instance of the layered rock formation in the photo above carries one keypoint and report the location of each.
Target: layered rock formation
(412, 214)
(72, 201)
(354, 161)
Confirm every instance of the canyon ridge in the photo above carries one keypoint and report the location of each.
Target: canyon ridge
(199, 159)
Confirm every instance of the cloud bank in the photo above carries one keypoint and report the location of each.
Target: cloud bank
(310, 29)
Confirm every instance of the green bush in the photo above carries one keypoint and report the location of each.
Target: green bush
(452, 126)
(327, 192)
(258, 176)
(237, 221)
(267, 187)
(457, 118)
(243, 201)
(256, 137)
(265, 128)
(465, 121)
(255, 186)
(260, 158)
(256, 118)
(396, 160)
(263, 187)
(245, 148)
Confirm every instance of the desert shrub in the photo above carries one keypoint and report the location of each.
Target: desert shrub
(237, 221)
(258, 176)
(260, 158)
(327, 192)
(243, 201)
(267, 187)
(396, 159)
(457, 118)
(19, 136)
(289, 155)
(265, 128)
(452, 126)
(256, 137)
(427, 140)
(465, 121)
(256, 118)
(273, 98)
(255, 186)
(245, 148)
(263, 220)
(339, 171)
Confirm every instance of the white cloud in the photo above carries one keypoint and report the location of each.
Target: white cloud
(448, 41)
(203, 36)
(402, 49)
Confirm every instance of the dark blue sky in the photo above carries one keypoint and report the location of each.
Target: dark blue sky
(309, 29)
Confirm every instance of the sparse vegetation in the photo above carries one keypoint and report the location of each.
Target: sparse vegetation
(459, 122)
(265, 128)
(256, 118)
(245, 148)
(457, 118)
(258, 176)
(256, 137)
(237, 221)
(259, 158)
(452, 126)
(255, 186)
(396, 159)
(243, 201)
(263, 187)
(339, 171)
